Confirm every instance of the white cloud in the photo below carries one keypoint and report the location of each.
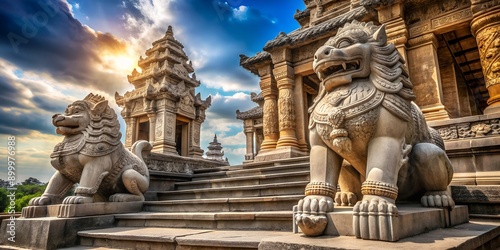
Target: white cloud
(241, 13)
(227, 82)
(237, 139)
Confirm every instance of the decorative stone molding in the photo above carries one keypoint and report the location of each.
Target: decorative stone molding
(432, 23)
(484, 128)
(478, 6)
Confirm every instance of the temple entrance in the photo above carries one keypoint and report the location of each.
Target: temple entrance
(181, 135)
(142, 128)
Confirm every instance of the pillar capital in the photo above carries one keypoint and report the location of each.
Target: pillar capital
(425, 39)
(284, 75)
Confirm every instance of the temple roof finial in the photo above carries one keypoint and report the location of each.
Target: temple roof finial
(169, 31)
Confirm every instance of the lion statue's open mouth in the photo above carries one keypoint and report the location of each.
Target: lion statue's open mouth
(329, 69)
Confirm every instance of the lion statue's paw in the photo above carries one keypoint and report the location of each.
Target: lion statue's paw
(311, 214)
(77, 200)
(375, 219)
(437, 199)
(40, 201)
(125, 197)
(345, 199)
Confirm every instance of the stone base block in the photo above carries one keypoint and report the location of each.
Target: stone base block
(50, 232)
(413, 219)
(481, 200)
(279, 153)
(79, 210)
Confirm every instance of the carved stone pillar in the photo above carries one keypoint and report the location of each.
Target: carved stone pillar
(195, 150)
(130, 131)
(165, 133)
(301, 114)
(485, 27)
(425, 76)
(284, 76)
(397, 33)
(270, 116)
(249, 136)
(152, 127)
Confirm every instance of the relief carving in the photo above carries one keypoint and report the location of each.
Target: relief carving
(196, 135)
(286, 109)
(480, 129)
(448, 133)
(270, 115)
(169, 125)
(159, 126)
(458, 16)
(488, 40)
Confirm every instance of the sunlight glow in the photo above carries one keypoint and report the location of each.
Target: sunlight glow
(119, 63)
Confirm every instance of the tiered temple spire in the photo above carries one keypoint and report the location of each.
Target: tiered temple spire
(215, 151)
(163, 107)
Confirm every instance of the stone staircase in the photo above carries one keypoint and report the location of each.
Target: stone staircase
(221, 208)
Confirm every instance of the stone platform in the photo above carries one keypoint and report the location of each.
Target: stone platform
(413, 219)
(472, 235)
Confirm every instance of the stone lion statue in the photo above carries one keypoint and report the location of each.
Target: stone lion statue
(368, 137)
(92, 155)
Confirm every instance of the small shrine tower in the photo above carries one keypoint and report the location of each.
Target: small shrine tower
(215, 151)
(163, 108)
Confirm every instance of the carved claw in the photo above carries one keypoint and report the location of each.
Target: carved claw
(437, 199)
(311, 214)
(77, 200)
(345, 199)
(375, 219)
(40, 201)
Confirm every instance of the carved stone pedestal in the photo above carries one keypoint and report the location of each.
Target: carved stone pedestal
(412, 220)
(52, 232)
(79, 210)
(281, 153)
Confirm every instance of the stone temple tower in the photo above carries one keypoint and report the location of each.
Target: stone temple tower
(215, 151)
(163, 107)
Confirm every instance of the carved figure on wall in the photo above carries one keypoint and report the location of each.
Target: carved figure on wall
(92, 155)
(369, 137)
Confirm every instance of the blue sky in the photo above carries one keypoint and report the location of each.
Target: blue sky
(54, 52)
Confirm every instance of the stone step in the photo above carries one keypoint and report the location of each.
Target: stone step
(254, 171)
(174, 238)
(270, 203)
(273, 189)
(472, 235)
(217, 169)
(244, 180)
(267, 220)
